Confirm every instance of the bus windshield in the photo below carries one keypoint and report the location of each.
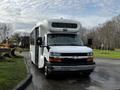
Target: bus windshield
(64, 40)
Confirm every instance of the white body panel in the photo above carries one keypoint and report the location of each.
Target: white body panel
(32, 53)
(40, 54)
(46, 26)
(70, 49)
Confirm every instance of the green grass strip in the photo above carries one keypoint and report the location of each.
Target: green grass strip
(106, 54)
(11, 73)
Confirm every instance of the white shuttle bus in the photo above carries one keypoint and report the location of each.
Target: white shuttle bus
(55, 45)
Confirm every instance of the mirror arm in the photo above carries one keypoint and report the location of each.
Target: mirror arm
(48, 47)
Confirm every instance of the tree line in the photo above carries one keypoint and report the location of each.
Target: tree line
(104, 36)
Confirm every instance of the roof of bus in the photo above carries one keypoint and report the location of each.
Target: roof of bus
(57, 20)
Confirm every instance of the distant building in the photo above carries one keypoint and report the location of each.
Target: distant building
(24, 42)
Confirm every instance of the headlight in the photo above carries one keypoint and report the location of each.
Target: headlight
(90, 54)
(54, 54)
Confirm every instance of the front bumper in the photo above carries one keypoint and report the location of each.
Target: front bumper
(76, 68)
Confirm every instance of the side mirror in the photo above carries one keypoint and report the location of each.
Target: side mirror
(48, 48)
(39, 41)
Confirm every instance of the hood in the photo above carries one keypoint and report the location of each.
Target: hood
(70, 49)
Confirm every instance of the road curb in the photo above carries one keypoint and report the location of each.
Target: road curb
(26, 82)
(22, 85)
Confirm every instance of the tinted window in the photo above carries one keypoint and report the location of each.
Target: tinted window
(64, 25)
(64, 39)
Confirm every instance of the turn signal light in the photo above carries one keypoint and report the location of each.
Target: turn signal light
(90, 59)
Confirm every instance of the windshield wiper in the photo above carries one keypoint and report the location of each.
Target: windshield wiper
(73, 44)
(55, 44)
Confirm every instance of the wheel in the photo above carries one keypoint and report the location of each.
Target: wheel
(87, 74)
(46, 72)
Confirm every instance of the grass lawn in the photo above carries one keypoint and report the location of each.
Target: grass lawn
(12, 72)
(107, 54)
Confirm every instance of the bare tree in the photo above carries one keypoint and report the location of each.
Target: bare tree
(16, 38)
(107, 34)
(5, 29)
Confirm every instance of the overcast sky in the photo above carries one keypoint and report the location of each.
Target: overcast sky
(25, 13)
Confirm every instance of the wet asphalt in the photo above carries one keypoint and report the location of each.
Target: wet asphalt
(106, 76)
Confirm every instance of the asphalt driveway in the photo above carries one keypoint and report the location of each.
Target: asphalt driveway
(106, 76)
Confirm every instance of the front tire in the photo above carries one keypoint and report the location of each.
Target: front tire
(87, 74)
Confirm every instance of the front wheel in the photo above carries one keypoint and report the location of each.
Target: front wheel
(87, 74)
